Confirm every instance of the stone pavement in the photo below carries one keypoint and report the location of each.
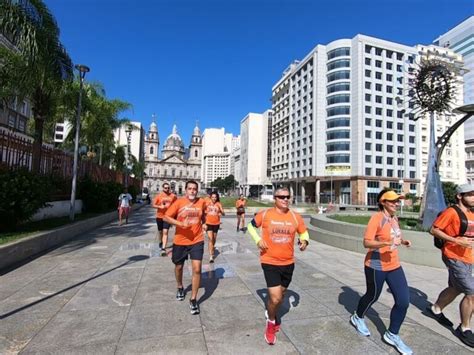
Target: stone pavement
(109, 292)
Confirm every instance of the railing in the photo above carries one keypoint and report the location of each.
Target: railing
(16, 153)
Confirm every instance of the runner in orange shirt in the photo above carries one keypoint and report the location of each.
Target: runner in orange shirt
(214, 211)
(240, 206)
(162, 202)
(457, 255)
(188, 215)
(279, 226)
(382, 237)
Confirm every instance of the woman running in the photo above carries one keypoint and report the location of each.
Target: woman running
(382, 238)
(240, 205)
(214, 211)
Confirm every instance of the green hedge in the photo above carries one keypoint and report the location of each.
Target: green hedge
(21, 195)
(99, 196)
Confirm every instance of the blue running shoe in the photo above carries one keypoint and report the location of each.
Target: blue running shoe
(394, 340)
(359, 324)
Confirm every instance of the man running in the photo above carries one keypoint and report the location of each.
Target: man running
(279, 225)
(125, 201)
(240, 206)
(162, 202)
(457, 255)
(187, 214)
(214, 211)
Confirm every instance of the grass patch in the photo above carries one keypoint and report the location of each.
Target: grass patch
(405, 222)
(229, 202)
(30, 228)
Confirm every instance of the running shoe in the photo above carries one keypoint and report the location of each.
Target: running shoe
(277, 321)
(163, 252)
(359, 324)
(465, 336)
(441, 318)
(270, 332)
(394, 340)
(180, 294)
(160, 246)
(193, 305)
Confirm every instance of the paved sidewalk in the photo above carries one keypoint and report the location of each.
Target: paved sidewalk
(109, 292)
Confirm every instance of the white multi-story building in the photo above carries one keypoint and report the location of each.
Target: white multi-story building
(217, 160)
(452, 164)
(460, 39)
(253, 150)
(340, 128)
(61, 131)
(137, 139)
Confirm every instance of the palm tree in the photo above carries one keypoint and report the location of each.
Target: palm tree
(38, 66)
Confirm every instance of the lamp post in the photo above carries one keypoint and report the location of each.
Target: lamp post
(82, 74)
(128, 131)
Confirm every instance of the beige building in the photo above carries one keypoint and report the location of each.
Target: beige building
(176, 165)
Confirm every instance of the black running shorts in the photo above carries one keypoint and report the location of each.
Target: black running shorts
(213, 227)
(162, 224)
(278, 275)
(181, 252)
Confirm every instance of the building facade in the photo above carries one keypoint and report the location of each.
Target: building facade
(136, 141)
(216, 155)
(173, 166)
(460, 39)
(253, 151)
(341, 126)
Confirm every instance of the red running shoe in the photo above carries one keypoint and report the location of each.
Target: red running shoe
(270, 332)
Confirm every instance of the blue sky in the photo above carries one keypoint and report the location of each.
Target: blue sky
(216, 60)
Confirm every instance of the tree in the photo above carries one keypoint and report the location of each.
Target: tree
(38, 66)
(449, 192)
(226, 184)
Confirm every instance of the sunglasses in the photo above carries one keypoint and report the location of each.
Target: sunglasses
(283, 197)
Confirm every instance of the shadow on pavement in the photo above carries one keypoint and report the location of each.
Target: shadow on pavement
(291, 299)
(131, 260)
(210, 281)
(349, 298)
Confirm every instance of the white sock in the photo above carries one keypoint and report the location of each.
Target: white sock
(435, 309)
(464, 329)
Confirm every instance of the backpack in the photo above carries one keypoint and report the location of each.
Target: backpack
(462, 230)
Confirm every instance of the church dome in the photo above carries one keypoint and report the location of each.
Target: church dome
(174, 142)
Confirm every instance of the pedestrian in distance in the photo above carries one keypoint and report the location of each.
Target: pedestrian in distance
(214, 211)
(162, 202)
(455, 227)
(124, 204)
(383, 237)
(276, 243)
(188, 215)
(240, 205)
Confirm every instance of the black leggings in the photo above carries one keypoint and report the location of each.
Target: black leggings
(397, 283)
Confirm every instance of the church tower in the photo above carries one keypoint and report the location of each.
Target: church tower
(152, 142)
(195, 148)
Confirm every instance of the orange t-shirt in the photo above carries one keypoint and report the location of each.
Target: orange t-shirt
(213, 213)
(240, 203)
(383, 229)
(163, 199)
(193, 211)
(448, 221)
(278, 232)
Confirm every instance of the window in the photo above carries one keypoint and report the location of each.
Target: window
(412, 174)
(378, 111)
(378, 51)
(195, 153)
(400, 150)
(367, 73)
(339, 75)
(389, 136)
(389, 148)
(333, 147)
(373, 184)
(388, 66)
(378, 63)
(342, 63)
(368, 84)
(378, 135)
(378, 75)
(338, 122)
(378, 172)
(411, 128)
(399, 56)
(336, 99)
(378, 147)
(378, 160)
(411, 139)
(389, 113)
(336, 111)
(389, 77)
(368, 134)
(378, 123)
(389, 172)
(368, 121)
(400, 161)
(399, 114)
(399, 68)
(368, 109)
(378, 99)
(389, 89)
(400, 137)
(411, 151)
(367, 61)
(389, 124)
(378, 87)
(368, 97)
(389, 161)
(338, 87)
(368, 171)
(412, 186)
(337, 158)
(368, 146)
(400, 126)
(389, 101)
(368, 48)
(338, 134)
(368, 158)
(339, 52)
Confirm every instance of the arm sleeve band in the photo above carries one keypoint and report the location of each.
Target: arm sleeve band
(253, 233)
(304, 236)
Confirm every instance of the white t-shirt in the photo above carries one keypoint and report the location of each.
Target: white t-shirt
(125, 200)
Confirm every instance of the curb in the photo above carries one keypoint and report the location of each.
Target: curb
(27, 248)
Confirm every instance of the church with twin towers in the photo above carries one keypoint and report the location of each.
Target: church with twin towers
(176, 164)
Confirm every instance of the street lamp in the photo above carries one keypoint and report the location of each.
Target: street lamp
(128, 131)
(82, 74)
